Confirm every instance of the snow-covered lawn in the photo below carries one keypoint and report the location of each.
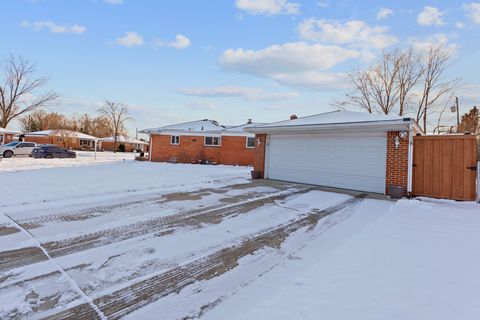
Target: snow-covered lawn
(139, 240)
(83, 158)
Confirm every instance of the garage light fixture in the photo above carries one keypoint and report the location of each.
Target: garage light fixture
(401, 135)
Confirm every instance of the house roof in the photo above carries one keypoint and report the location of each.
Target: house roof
(124, 139)
(58, 133)
(332, 119)
(3, 131)
(204, 125)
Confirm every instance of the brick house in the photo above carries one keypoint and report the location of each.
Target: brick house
(202, 141)
(63, 138)
(340, 149)
(131, 145)
(7, 136)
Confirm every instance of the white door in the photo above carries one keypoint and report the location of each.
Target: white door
(349, 161)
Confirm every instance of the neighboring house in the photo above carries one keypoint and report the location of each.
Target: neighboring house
(200, 142)
(350, 150)
(107, 144)
(63, 138)
(7, 135)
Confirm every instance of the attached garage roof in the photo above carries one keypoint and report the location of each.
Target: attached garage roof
(333, 119)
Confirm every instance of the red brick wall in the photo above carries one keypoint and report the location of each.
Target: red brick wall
(39, 139)
(65, 142)
(397, 162)
(259, 161)
(233, 150)
(190, 150)
(8, 138)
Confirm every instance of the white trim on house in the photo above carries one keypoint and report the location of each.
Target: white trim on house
(174, 143)
(212, 145)
(246, 142)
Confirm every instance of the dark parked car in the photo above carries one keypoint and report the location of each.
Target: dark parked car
(52, 151)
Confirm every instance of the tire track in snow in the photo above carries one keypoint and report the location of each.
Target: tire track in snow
(157, 227)
(126, 300)
(89, 302)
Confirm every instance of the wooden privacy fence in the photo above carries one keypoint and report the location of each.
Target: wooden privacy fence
(445, 166)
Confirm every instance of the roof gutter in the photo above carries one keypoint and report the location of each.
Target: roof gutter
(331, 126)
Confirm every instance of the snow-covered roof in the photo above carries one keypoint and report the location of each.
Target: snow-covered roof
(239, 130)
(124, 139)
(331, 119)
(4, 131)
(59, 133)
(204, 125)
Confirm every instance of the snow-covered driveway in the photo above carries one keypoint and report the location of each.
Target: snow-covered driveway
(148, 241)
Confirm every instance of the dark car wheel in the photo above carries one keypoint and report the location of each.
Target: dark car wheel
(48, 156)
(8, 154)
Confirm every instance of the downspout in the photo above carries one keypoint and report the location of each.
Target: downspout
(150, 149)
(410, 158)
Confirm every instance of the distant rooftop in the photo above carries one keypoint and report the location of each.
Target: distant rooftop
(124, 139)
(58, 133)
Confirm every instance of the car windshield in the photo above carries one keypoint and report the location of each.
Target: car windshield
(12, 144)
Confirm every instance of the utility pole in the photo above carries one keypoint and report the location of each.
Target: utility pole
(458, 113)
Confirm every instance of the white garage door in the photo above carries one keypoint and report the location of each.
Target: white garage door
(356, 162)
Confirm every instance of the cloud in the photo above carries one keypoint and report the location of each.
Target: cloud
(384, 13)
(355, 33)
(268, 7)
(255, 94)
(180, 42)
(114, 2)
(53, 27)
(130, 39)
(286, 58)
(200, 105)
(439, 39)
(430, 16)
(323, 4)
(459, 25)
(473, 10)
(314, 80)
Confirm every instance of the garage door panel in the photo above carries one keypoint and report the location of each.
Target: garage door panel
(351, 162)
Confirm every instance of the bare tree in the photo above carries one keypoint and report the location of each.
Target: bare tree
(434, 87)
(18, 90)
(383, 82)
(115, 114)
(409, 72)
(360, 95)
(383, 86)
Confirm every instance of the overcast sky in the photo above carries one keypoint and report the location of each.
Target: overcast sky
(227, 60)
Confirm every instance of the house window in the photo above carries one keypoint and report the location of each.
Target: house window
(250, 142)
(175, 140)
(212, 141)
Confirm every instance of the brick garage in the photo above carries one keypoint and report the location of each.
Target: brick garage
(202, 141)
(348, 150)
